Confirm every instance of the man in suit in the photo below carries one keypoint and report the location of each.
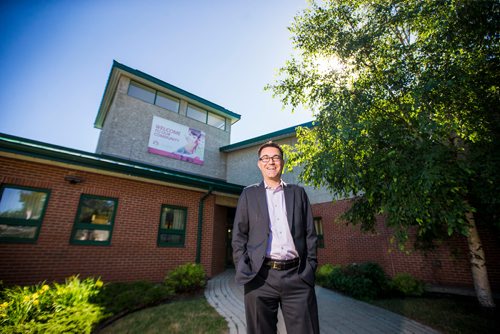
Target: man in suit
(274, 250)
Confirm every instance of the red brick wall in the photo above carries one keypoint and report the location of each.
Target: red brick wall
(133, 253)
(447, 266)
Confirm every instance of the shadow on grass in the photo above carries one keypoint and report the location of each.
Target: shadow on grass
(120, 299)
(446, 313)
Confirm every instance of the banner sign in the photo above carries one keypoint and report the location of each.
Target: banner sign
(176, 141)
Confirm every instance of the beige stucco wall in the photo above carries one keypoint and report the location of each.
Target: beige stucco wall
(127, 128)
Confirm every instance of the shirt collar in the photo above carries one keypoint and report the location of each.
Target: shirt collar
(282, 185)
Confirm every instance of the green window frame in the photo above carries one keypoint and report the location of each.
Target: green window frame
(21, 213)
(172, 229)
(94, 220)
(318, 225)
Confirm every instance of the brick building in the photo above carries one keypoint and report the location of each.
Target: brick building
(161, 190)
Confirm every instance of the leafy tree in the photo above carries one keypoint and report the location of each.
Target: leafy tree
(405, 96)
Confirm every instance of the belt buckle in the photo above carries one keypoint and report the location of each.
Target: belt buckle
(275, 265)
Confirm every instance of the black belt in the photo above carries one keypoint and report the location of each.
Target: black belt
(281, 264)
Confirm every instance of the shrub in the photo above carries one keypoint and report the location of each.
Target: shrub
(362, 281)
(323, 272)
(62, 308)
(186, 278)
(407, 285)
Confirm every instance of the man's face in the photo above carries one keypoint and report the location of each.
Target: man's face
(272, 169)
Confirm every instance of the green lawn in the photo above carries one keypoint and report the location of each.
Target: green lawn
(190, 316)
(193, 314)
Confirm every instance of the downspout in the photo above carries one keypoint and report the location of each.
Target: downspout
(201, 205)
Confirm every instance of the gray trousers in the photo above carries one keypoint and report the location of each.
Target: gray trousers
(271, 289)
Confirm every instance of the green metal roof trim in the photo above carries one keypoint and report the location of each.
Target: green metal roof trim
(61, 154)
(261, 139)
(116, 65)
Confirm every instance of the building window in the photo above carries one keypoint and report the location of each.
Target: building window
(318, 224)
(94, 220)
(21, 213)
(197, 114)
(167, 102)
(206, 117)
(218, 121)
(172, 226)
(141, 92)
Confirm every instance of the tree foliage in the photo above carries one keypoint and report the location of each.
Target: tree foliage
(405, 96)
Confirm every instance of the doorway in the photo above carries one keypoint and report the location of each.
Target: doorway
(229, 234)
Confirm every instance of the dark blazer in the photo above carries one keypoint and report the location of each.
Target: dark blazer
(251, 231)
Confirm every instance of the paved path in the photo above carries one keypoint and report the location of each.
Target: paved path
(337, 313)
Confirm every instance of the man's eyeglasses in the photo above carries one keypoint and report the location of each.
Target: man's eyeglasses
(265, 158)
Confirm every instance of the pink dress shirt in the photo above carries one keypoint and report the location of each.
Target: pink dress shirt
(280, 245)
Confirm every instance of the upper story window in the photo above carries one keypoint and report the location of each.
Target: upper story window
(206, 117)
(94, 220)
(141, 92)
(21, 213)
(163, 100)
(167, 102)
(197, 113)
(152, 96)
(218, 121)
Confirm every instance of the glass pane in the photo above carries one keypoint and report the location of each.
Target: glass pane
(173, 219)
(319, 226)
(167, 102)
(171, 238)
(22, 204)
(218, 121)
(17, 231)
(96, 211)
(92, 235)
(141, 92)
(197, 114)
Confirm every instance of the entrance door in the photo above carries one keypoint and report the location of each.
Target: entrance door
(229, 233)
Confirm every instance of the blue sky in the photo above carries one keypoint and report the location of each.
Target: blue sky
(56, 55)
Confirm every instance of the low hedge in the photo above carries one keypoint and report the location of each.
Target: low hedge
(367, 281)
(186, 278)
(407, 285)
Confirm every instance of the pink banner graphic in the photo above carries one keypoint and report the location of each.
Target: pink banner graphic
(176, 141)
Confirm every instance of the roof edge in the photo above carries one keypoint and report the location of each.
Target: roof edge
(113, 81)
(33, 148)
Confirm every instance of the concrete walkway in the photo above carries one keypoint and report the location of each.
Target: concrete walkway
(337, 313)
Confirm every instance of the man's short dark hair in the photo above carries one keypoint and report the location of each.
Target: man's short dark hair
(270, 144)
